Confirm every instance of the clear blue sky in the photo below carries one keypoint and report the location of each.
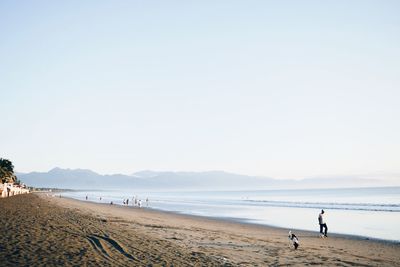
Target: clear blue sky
(287, 89)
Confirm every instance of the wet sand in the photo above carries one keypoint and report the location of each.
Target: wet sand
(36, 230)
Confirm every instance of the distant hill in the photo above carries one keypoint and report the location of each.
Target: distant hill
(77, 179)
(152, 180)
(87, 179)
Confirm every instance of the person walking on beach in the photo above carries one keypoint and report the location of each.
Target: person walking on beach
(8, 190)
(323, 228)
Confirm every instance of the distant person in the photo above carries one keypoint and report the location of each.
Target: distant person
(100, 198)
(8, 190)
(323, 228)
(147, 201)
(140, 203)
(124, 201)
(111, 203)
(86, 197)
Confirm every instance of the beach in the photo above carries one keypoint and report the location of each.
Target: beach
(42, 230)
(366, 212)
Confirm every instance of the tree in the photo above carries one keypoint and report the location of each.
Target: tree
(7, 171)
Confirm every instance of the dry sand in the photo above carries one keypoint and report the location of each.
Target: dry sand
(39, 230)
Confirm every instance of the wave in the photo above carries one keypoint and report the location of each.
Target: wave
(326, 205)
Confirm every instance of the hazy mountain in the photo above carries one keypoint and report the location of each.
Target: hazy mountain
(76, 179)
(146, 174)
(210, 180)
(87, 179)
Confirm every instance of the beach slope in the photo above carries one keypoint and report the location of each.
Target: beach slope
(46, 231)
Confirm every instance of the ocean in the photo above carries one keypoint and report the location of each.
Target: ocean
(366, 212)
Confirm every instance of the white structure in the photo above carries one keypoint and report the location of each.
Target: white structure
(9, 189)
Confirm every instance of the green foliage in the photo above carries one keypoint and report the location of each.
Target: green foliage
(7, 171)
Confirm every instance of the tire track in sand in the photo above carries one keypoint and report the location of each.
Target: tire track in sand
(109, 248)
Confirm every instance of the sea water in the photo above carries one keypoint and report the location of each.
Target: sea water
(366, 212)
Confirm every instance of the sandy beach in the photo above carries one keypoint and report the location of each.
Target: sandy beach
(38, 230)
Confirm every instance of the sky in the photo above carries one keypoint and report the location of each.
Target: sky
(285, 89)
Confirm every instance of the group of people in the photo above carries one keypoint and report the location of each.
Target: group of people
(135, 200)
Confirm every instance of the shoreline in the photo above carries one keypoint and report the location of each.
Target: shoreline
(246, 222)
(42, 231)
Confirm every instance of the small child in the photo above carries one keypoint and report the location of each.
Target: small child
(293, 240)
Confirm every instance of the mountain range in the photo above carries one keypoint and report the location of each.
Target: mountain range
(209, 180)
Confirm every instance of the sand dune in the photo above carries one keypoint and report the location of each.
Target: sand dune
(48, 231)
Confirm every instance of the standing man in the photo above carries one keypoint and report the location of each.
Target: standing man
(322, 224)
(8, 190)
